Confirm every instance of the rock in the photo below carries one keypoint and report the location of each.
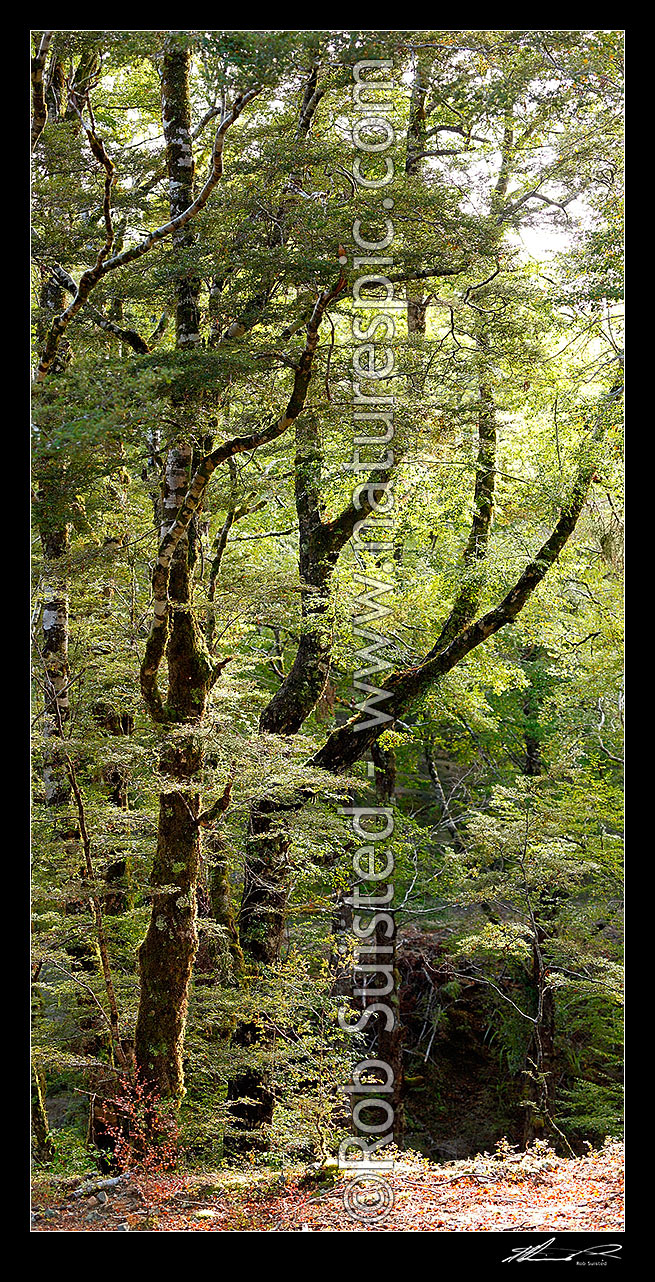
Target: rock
(93, 1187)
(101, 1197)
(123, 1228)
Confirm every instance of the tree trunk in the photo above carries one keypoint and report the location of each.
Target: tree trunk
(168, 950)
(253, 1084)
(263, 901)
(42, 1145)
(261, 931)
(55, 543)
(541, 1052)
(221, 901)
(416, 129)
(389, 1041)
(167, 953)
(534, 696)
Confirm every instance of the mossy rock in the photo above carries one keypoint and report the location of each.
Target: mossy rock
(321, 1175)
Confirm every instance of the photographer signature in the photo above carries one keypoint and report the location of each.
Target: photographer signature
(610, 1250)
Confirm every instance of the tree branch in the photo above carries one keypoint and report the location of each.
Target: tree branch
(39, 109)
(347, 744)
(157, 639)
(103, 265)
(128, 336)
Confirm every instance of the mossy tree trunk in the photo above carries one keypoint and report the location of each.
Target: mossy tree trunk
(168, 950)
(42, 1145)
(167, 953)
(55, 541)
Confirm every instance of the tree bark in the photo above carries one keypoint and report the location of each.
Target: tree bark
(416, 128)
(540, 1055)
(42, 1145)
(167, 953)
(55, 541)
(389, 1047)
(39, 109)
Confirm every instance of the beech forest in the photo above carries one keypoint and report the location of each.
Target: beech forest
(326, 629)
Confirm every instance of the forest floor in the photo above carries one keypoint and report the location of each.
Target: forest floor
(515, 1192)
